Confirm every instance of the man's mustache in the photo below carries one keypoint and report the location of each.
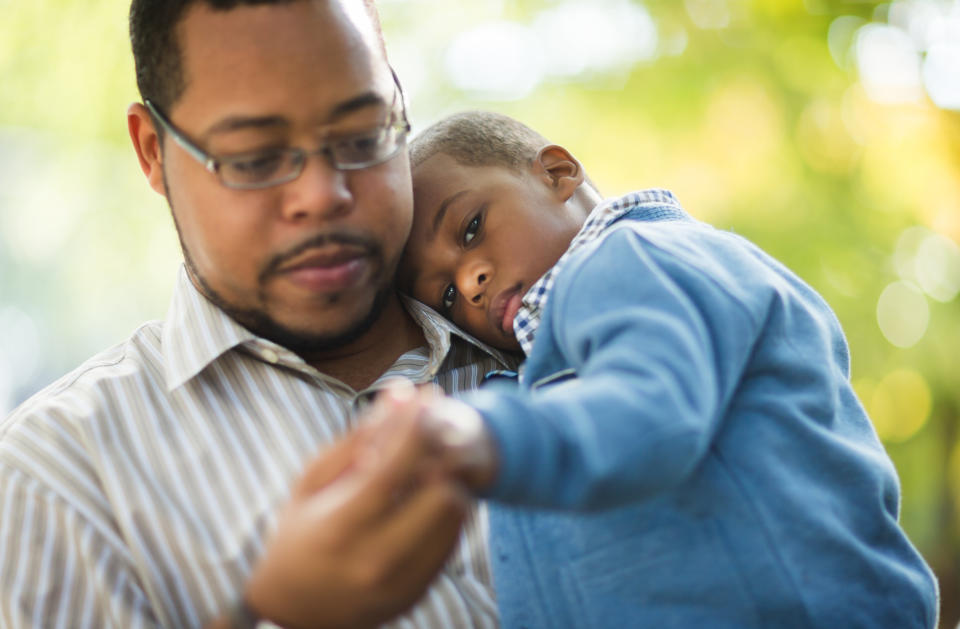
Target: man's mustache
(370, 248)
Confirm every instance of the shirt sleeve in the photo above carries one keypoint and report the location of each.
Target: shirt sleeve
(645, 333)
(59, 567)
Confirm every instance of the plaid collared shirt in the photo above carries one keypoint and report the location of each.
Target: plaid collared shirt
(660, 202)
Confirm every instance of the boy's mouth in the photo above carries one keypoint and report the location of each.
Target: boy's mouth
(504, 308)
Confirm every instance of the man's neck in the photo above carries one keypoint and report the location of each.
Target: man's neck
(359, 364)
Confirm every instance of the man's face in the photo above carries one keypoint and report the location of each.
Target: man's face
(481, 237)
(306, 263)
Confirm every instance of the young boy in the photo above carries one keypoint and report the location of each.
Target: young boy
(684, 448)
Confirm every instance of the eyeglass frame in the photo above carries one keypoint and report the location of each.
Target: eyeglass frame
(212, 163)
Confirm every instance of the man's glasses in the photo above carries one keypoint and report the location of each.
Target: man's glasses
(263, 169)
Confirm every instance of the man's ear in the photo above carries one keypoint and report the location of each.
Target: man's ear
(559, 169)
(147, 145)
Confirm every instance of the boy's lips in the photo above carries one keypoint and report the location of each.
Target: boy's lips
(504, 308)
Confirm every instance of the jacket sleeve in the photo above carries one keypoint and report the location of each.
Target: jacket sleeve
(642, 329)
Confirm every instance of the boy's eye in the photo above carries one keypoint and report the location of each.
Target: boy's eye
(449, 297)
(472, 228)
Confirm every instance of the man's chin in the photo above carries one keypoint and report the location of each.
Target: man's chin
(305, 339)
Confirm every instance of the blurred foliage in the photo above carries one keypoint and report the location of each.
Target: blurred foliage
(759, 126)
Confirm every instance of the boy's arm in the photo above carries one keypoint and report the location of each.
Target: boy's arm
(642, 332)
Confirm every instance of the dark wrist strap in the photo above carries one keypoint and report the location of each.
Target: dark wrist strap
(242, 617)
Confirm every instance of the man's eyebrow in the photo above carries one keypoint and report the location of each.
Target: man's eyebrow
(442, 211)
(239, 123)
(367, 99)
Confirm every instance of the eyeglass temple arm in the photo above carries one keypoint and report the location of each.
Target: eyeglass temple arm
(192, 149)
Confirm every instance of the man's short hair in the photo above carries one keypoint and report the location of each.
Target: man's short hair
(156, 51)
(479, 138)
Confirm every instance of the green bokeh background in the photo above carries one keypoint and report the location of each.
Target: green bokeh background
(758, 127)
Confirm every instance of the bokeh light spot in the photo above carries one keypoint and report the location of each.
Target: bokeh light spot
(905, 251)
(708, 14)
(889, 65)
(585, 38)
(937, 266)
(840, 39)
(498, 60)
(902, 314)
(899, 405)
(941, 74)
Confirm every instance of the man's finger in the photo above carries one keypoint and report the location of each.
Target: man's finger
(414, 542)
(391, 461)
(331, 463)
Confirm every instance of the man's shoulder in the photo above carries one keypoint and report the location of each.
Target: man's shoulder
(83, 393)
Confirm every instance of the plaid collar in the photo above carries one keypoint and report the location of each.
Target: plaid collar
(659, 204)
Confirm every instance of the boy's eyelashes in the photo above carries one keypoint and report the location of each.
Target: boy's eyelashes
(449, 295)
(448, 298)
(473, 226)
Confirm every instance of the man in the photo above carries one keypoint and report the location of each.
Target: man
(152, 486)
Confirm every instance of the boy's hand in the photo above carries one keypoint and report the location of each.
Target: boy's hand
(458, 431)
(455, 439)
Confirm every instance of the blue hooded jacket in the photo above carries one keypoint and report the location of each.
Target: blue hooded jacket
(685, 450)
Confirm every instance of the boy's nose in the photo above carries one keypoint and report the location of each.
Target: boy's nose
(473, 281)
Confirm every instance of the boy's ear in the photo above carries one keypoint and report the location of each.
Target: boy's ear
(559, 169)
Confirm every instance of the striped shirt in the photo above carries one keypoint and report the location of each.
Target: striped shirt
(138, 490)
(527, 321)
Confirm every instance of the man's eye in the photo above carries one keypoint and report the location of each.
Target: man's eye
(359, 147)
(255, 166)
(449, 297)
(473, 227)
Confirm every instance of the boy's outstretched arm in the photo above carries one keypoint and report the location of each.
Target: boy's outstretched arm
(649, 391)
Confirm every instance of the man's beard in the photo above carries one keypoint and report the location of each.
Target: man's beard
(303, 344)
(258, 321)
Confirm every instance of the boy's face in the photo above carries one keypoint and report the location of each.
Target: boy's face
(481, 237)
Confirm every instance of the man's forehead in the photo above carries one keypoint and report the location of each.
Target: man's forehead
(262, 57)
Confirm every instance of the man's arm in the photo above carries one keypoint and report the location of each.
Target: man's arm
(59, 567)
(367, 528)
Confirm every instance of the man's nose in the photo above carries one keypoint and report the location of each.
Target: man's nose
(473, 280)
(319, 192)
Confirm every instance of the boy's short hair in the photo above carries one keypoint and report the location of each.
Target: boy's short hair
(479, 138)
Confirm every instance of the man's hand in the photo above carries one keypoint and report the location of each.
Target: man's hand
(367, 527)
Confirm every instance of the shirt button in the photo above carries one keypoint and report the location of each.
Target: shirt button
(270, 356)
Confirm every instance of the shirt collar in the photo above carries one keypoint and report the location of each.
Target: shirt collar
(646, 205)
(196, 333)
(440, 331)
